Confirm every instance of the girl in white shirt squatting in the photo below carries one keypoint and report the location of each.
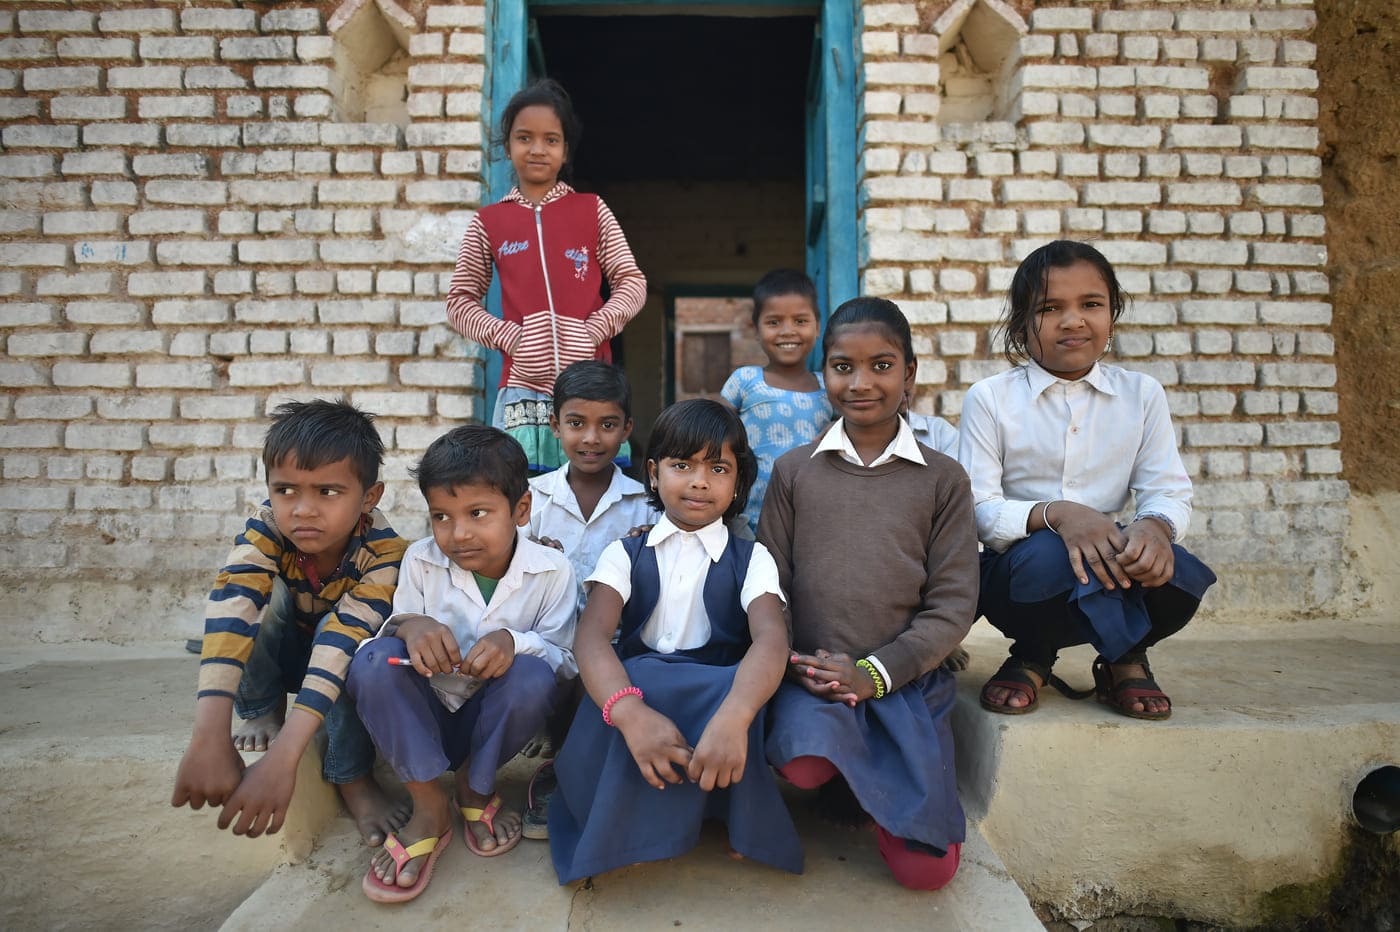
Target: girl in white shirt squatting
(1055, 447)
(670, 732)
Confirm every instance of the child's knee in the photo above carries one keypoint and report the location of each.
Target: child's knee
(808, 773)
(917, 869)
(533, 686)
(370, 670)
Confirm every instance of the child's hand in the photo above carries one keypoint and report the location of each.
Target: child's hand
(1148, 556)
(656, 743)
(431, 646)
(830, 675)
(639, 530)
(209, 773)
(491, 656)
(1092, 540)
(261, 800)
(720, 753)
(548, 542)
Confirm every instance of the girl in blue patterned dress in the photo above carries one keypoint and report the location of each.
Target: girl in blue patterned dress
(783, 405)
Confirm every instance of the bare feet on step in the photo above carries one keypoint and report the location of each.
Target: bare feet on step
(255, 734)
(376, 814)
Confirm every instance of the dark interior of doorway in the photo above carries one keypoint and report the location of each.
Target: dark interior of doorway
(693, 134)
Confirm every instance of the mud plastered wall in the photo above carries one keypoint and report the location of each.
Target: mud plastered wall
(192, 232)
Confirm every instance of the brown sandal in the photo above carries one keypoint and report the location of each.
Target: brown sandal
(1120, 696)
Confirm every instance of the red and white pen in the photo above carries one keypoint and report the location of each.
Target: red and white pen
(405, 662)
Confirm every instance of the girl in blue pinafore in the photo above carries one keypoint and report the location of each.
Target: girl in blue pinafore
(670, 732)
(782, 404)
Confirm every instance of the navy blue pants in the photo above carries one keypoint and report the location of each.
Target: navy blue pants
(421, 738)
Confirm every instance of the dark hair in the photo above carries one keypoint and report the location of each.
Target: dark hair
(318, 433)
(781, 282)
(545, 92)
(688, 427)
(1028, 291)
(870, 311)
(474, 454)
(592, 380)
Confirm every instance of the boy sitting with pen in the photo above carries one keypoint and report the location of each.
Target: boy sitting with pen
(311, 575)
(476, 601)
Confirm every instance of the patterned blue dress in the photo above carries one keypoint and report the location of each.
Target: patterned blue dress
(776, 420)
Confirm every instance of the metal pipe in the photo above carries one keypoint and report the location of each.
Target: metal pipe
(1376, 803)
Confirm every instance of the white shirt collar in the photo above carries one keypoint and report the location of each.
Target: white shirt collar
(714, 536)
(904, 445)
(556, 485)
(1040, 379)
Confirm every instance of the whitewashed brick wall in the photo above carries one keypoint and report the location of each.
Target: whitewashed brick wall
(1179, 137)
(188, 237)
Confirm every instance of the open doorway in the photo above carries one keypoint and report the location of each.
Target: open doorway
(694, 135)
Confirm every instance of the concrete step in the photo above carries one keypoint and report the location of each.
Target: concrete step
(90, 738)
(1246, 789)
(845, 886)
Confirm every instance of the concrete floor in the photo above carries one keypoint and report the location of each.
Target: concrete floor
(1092, 814)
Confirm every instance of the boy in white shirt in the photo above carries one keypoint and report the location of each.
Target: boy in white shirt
(485, 617)
(582, 507)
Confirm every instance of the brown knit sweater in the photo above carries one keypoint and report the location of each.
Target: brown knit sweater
(880, 560)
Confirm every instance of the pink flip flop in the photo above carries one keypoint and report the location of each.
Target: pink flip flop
(383, 892)
(486, 817)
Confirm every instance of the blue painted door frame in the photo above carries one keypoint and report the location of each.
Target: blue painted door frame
(831, 233)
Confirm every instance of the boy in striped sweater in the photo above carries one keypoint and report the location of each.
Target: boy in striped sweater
(312, 575)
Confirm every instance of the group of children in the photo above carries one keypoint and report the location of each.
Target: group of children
(681, 668)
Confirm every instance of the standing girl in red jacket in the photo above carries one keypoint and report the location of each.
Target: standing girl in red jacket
(554, 247)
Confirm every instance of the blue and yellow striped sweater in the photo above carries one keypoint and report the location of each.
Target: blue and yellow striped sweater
(358, 599)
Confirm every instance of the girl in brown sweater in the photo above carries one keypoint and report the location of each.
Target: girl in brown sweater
(876, 545)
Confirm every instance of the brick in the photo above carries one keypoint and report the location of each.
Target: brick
(275, 312)
(159, 108)
(281, 251)
(1287, 195)
(47, 344)
(16, 108)
(102, 313)
(1045, 133)
(1288, 254)
(266, 372)
(287, 193)
(33, 136)
(30, 436)
(104, 437)
(1169, 76)
(111, 252)
(306, 77)
(144, 77)
(1295, 313)
(273, 48)
(360, 134)
(1204, 193)
(146, 407)
(26, 314)
(25, 49)
(1256, 78)
(350, 373)
(28, 166)
(1213, 21)
(291, 20)
(201, 135)
(214, 76)
(208, 19)
(86, 283)
(1119, 135)
(188, 164)
(175, 375)
(1122, 192)
(32, 254)
(139, 21)
(187, 192)
(1297, 375)
(141, 284)
(1191, 136)
(156, 48)
(1055, 77)
(146, 222)
(1129, 252)
(35, 21)
(121, 134)
(259, 135)
(52, 407)
(112, 49)
(194, 252)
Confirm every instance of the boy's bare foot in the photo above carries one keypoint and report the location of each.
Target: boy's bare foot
(507, 822)
(255, 734)
(429, 820)
(375, 814)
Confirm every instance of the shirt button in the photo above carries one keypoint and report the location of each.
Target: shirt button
(1074, 430)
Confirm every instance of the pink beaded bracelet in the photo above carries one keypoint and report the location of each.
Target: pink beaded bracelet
(620, 694)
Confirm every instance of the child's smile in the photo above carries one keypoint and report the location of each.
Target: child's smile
(1071, 327)
(591, 433)
(787, 329)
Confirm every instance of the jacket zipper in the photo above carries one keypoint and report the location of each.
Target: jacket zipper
(549, 292)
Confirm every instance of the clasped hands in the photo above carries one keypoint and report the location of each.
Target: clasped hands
(830, 675)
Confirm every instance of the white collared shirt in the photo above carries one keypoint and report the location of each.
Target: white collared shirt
(555, 512)
(934, 433)
(1027, 436)
(535, 601)
(904, 445)
(683, 560)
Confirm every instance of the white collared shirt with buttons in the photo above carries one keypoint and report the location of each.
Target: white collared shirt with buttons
(1027, 436)
(683, 560)
(535, 601)
(555, 512)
